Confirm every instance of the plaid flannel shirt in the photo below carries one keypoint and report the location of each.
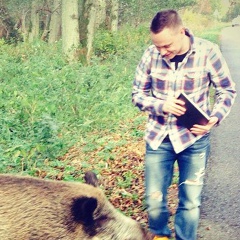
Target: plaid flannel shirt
(156, 79)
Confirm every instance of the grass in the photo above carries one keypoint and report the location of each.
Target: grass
(214, 33)
(48, 105)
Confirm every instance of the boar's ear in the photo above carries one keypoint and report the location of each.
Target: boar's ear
(83, 208)
(91, 179)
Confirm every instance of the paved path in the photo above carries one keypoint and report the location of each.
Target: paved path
(220, 214)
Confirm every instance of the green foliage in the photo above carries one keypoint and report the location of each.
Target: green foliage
(135, 12)
(213, 34)
(190, 19)
(234, 11)
(47, 105)
(29, 131)
(107, 44)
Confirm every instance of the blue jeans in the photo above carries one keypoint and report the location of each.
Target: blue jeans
(159, 166)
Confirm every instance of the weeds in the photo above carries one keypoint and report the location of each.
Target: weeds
(48, 105)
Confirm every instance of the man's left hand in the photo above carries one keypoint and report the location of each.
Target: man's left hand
(203, 129)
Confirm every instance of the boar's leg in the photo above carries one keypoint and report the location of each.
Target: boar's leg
(91, 179)
(82, 210)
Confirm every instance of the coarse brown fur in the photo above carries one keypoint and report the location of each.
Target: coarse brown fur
(36, 209)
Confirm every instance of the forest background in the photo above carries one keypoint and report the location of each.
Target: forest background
(66, 75)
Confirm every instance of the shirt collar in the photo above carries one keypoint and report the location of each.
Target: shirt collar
(192, 40)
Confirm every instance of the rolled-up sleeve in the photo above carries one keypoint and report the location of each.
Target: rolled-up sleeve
(142, 87)
(223, 84)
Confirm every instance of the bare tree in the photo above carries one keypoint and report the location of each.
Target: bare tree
(34, 32)
(100, 13)
(114, 15)
(46, 21)
(90, 12)
(70, 28)
(55, 23)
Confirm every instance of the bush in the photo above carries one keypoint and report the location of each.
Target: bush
(48, 105)
(108, 44)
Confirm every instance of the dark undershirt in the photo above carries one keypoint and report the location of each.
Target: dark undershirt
(178, 58)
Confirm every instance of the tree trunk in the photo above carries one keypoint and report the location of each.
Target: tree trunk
(114, 15)
(46, 27)
(91, 12)
(100, 13)
(23, 28)
(55, 24)
(70, 28)
(34, 32)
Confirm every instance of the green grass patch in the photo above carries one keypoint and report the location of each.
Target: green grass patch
(213, 34)
(48, 105)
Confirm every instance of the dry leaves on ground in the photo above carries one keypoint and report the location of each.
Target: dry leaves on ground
(121, 175)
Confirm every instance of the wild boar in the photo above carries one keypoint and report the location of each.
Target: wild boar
(36, 209)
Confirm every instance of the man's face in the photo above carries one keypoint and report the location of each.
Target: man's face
(170, 42)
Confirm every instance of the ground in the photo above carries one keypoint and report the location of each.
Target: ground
(119, 163)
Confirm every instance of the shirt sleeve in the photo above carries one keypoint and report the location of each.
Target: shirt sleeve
(225, 92)
(141, 94)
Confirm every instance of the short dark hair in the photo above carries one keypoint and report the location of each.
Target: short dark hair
(165, 19)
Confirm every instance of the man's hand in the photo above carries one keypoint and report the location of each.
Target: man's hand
(174, 106)
(201, 129)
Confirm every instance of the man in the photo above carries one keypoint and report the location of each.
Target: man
(178, 62)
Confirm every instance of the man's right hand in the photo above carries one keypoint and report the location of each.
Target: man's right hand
(174, 106)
